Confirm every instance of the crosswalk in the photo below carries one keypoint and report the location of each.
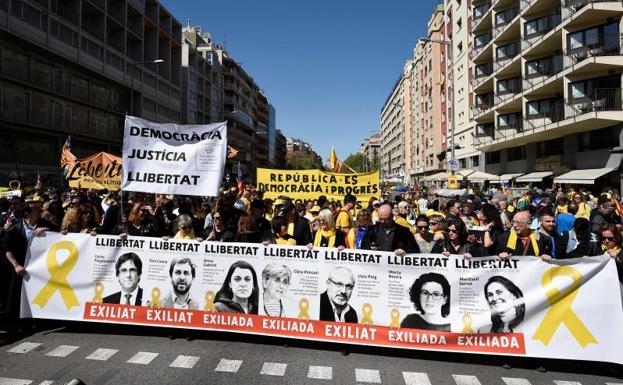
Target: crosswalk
(232, 366)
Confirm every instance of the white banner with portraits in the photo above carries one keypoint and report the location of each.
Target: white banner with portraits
(172, 159)
(522, 306)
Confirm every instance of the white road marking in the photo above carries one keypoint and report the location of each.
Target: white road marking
(465, 380)
(368, 375)
(13, 381)
(273, 369)
(46, 382)
(515, 381)
(24, 347)
(142, 358)
(566, 382)
(320, 372)
(185, 362)
(613, 383)
(229, 366)
(62, 351)
(413, 378)
(102, 354)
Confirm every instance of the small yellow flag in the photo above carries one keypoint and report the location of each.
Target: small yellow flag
(334, 162)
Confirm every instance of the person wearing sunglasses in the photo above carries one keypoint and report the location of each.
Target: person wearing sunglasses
(424, 238)
(584, 210)
(430, 295)
(612, 245)
(456, 242)
(140, 223)
(603, 214)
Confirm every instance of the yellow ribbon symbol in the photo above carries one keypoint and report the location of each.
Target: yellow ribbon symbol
(99, 291)
(367, 314)
(155, 298)
(467, 323)
(560, 310)
(395, 314)
(303, 307)
(58, 276)
(209, 301)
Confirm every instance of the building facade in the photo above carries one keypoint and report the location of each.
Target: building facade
(76, 68)
(295, 146)
(392, 134)
(547, 86)
(371, 148)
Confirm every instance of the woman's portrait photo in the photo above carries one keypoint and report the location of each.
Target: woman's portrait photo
(506, 303)
(239, 293)
(275, 282)
(430, 295)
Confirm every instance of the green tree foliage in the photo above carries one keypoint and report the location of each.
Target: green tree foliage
(301, 162)
(360, 163)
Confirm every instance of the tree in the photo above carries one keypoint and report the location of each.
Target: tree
(360, 163)
(300, 162)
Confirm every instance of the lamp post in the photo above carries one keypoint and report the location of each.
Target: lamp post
(447, 43)
(134, 67)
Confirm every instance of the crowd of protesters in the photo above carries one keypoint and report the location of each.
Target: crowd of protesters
(546, 224)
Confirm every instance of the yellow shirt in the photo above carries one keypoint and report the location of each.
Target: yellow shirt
(343, 220)
(432, 212)
(584, 211)
(404, 223)
(289, 241)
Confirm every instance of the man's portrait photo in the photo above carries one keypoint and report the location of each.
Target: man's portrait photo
(128, 270)
(334, 301)
(182, 273)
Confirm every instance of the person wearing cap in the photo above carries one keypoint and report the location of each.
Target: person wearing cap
(344, 220)
(298, 227)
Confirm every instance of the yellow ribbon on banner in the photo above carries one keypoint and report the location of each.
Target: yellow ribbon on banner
(155, 298)
(395, 314)
(467, 324)
(367, 314)
(58, 276)
(99, 293)
(303, 307)
(209, 301)
(560, 311)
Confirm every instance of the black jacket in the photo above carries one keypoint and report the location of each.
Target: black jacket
(545, 246)
(398, 237)
(326, 311)
(302, 231)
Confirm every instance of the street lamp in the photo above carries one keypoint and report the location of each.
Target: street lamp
(447, 43)
(134, 67)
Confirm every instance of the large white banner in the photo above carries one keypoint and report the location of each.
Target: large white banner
(523, 306)
(173, 159)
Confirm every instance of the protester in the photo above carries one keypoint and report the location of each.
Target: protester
(602, 215)
(425, 239)
(584, 210)
(140, 223)
(298, 227)
(344, 220)
(564, 220)
(280, 229)
(328, 235)
(358, 232)
(580, 241)
(456, 243)
(521, 241)
(220, 233)
(489, 218)
(547, 229)
(386, 235)
(246, 231)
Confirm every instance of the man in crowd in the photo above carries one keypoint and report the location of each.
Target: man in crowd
(602, 215)
(522, 241)
(564, 221)
(334, 301)
(454, 210)
(128, 269)
(386, 235)
(401, 218)
(344, 220)
(182, 273)
(298, 226)
(547, 229)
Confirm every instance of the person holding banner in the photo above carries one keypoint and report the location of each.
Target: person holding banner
(386, 235)
(522, 241)
(280, 228)
(275, 281)
(140, 223)
(506, 303)
(344, 221)
(430, 295)
(240, 291)
(356, 234)
(612, 244)
(298, 227)
(328, 235)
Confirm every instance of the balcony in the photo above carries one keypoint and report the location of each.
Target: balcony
(504, 18)
(579, 52)
(480, 11)
(480, 42)
(486, 130)
(504, 54)
(541, 70)
(507, 89)
(481, 73)
(536, 29)
(484, 104)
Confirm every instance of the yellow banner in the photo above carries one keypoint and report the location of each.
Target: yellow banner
(310, 184)
(99, 171)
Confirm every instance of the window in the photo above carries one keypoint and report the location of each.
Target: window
(593, 89)
(192, 95)
(507, 51)
(505, 86)
(546, 108)
(550, 147)
(606, 36)
(79, 119)
(599, 139)
(475, 161)
(544, 66)
(14, 103)
(100, 95)
(79, 87)
(41, 111)
(16, 65)
(516, 153)
(30, 15)
(63, 33)
(492, 157)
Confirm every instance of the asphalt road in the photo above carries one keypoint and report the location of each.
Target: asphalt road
(109, 354)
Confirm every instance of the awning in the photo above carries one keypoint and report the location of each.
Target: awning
(506, 178)
(586, 176)
(534, 177)
(439, 177)
(479, 176)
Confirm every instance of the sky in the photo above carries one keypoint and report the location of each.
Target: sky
(326, 66)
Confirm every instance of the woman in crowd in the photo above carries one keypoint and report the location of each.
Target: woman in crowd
(506, 303)
(185, 228)
(275, 281)
(611, 244)
(355, 235)
(424, 237)
(456, 242)
(239, 293)
(327, 235)
(430, 295)
(140, 223)
(584, 210)
(220, 233)
(80, 219)
(490, 218)
(280, 228)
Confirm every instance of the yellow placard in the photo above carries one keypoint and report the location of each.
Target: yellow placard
(301, 185)
(98, 171)
(453, 182)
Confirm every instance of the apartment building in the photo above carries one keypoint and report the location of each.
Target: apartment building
(458, 26)
(371, 147)
(392, 133)
(547, 89)
(295, 146)
(76, 68)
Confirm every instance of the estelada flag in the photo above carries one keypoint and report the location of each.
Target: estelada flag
(99, 171)
(231, 152)
(68, 160)
(617, 204)
(334, 162)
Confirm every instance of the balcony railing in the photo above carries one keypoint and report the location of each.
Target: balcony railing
(484, 104)
(513, 87)
(480, 42)
(552, 66)
(510, 50)
(577, 53)
(480, 11)
(502, 19)
(513, 122)
(542, 26)
(485, 130)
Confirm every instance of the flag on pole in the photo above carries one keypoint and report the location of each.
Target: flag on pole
(239, 181)
(334, 162)
(505, 187)
(617, 204)
(67, 158)
(231, 152)
(39, 184)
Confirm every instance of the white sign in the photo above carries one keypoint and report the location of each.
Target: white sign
(10, 194)
(173, 159)
(523, 306)
(453, 164)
